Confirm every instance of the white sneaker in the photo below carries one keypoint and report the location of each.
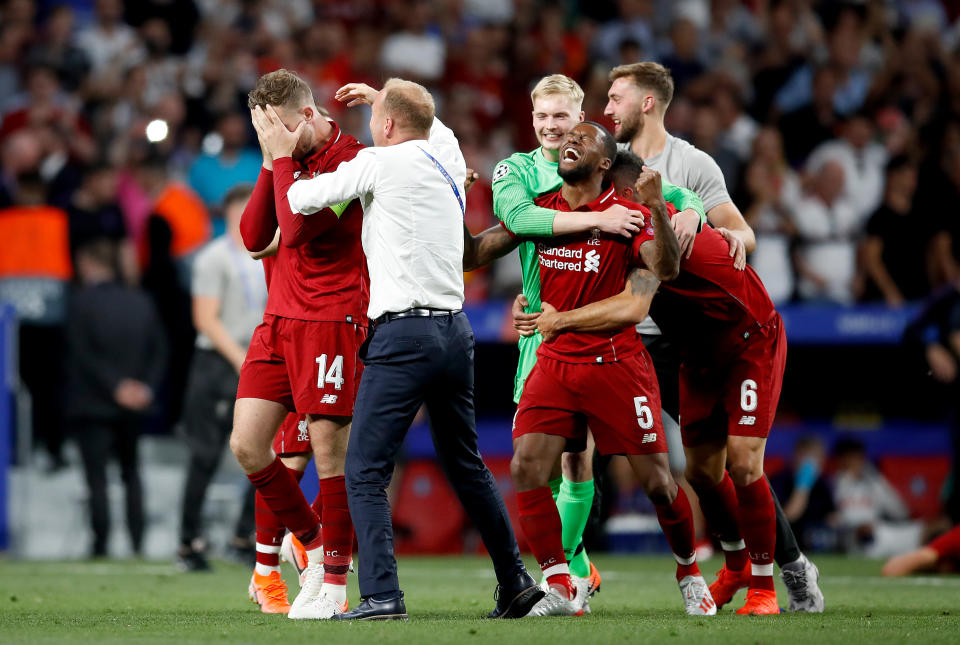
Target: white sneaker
(583, 586)
(696, 596)
(312, 581)
(802, 587)
(295, 556)
(323, 607)
(556, 603)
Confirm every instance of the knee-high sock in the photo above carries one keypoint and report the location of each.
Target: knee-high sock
(270, 532)
(540, 523)
(676, 520)
(574, 503)
(759, 526)
(337, 531)
(719, 505)
(281, 493)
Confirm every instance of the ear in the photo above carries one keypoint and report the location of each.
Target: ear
(626, 192)
(388, 126)
(605, 164)
(649, 102)
(308, 113)
(583, 115)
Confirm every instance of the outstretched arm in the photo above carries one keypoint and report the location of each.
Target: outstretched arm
(628, 307)
(921, 559)
(491, 244)
(662, 253)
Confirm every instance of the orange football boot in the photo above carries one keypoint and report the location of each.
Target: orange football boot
(760, 602)
(270, 592)
(728, 583)
(595, 580)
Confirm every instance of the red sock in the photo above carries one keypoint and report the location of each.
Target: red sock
(270, 532)
(676, 520)
(318, 505)
(719, 505)
(283, 496)
(758, 521)
(540, 522)
(337, 530)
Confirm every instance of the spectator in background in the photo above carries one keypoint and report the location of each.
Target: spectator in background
(415, 52)
(863, 160)
(115, 365)
(229, 295)
(682, 57)
(20, 153)
(807, 127)
(808, 499)
(706, 135)
(633, 22)
(827, 230)
(894, 251)
(111, 45)
(866, 503)
(227, 160)
(771, 192)
(95, 214)
(738, 128)
(58, 50)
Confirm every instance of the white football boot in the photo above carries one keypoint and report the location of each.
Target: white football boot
(696, 596)
(802, 587)
(312, 581)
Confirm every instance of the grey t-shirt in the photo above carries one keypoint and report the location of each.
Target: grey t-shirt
(225, 271)
(685, 165)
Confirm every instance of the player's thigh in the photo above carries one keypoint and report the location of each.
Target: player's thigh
(255, 423)
(653, 474)
(329, 437)
(323, 366)
(745, 458)
(706, 462)
(703, 423)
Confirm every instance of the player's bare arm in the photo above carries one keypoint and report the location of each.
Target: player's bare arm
(480, 250)
(662, 254)
(627, 308)
(922, 559)
(729, 222)
(268, 251)
(525, 323)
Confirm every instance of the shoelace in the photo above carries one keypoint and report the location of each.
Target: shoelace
(798, 579)
(276, 591)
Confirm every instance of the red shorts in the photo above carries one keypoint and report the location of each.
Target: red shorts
(620, 401)
(309, 367)
(739, 397)
(293, 437)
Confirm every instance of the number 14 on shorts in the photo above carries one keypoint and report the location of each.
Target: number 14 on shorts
(333, 375)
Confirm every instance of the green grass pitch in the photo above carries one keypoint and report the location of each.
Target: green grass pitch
(148, 602)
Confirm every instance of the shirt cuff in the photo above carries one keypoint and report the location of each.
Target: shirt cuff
(283, 164)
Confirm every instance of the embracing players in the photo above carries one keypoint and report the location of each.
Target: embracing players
(303, 356)
(732, 350)
(602, 378)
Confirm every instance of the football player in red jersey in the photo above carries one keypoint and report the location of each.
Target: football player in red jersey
(303, 356)
(733, 352)
(604, 379)
(941, 555)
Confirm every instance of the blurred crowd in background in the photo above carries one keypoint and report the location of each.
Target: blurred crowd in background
(124, 124)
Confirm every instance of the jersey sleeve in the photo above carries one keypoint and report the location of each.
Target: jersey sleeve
(706, 179)
(683, 198)
(513, 204)
(646, 234)
(350, 180)
(948, 544)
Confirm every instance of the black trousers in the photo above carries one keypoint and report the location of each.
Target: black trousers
(99, 440)
(207, 422)
(410, 362)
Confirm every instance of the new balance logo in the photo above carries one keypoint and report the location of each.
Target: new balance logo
(747, 420)
(329, 398)
(649, 437)
(591, 262)
(303, 434)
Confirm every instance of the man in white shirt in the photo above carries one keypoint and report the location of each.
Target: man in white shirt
(421, 348)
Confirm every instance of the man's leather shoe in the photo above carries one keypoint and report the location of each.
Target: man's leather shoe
(371, 609)
(517, 599)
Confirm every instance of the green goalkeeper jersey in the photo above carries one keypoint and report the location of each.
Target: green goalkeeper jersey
(517, 181)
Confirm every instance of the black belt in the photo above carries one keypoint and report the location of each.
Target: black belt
(414, 312)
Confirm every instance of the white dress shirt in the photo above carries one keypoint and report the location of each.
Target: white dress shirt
(412, 218)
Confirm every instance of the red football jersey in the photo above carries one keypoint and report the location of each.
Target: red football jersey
(710, 299)
(576, 270)
(324, 278)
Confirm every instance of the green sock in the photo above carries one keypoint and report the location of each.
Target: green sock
(574, 503)
(555, 487)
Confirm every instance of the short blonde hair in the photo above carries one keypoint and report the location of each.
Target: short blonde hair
(650, 76)
(558, 84)
(409, 104)
(280, 88)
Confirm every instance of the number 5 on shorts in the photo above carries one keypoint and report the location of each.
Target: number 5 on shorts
(334, 376)
(644, 413)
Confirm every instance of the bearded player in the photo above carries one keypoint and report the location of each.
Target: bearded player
(517, 181)
(733, 350)
(303, 357)
(639, 96)
(604, 379)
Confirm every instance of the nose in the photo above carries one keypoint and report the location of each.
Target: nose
(608, 109)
